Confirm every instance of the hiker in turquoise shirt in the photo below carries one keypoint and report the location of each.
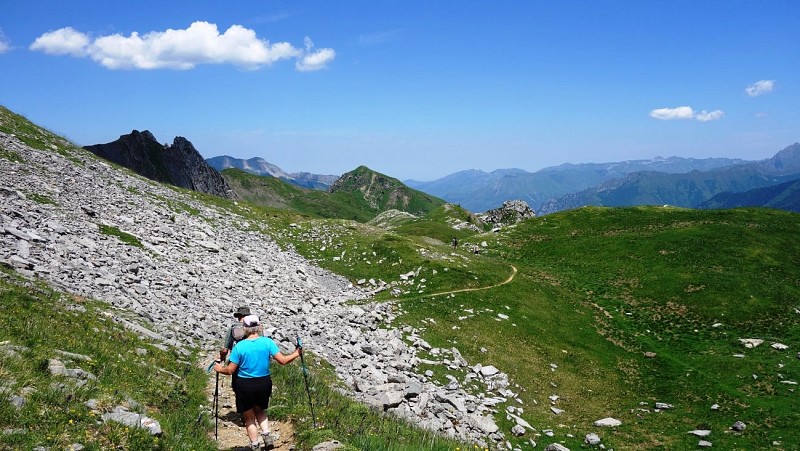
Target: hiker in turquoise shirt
(253, 384)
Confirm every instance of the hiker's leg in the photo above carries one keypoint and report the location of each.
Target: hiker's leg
(250, 424)
(261, 418)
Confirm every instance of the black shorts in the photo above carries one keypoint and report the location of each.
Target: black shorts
(252, 391)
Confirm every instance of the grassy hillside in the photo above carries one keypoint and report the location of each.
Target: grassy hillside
(276, 193)
(38, 324)
(596, 289)
(381, 192)
(344, 203)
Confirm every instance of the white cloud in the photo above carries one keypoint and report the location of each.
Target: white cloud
(65, 41)
(311, 60)
(4, 44)
(760, 87)
(200, 43)
(666, 114)
(316, 60)
(685, 112)
(705, 116)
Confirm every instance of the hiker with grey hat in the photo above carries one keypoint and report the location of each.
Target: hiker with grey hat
(250, 360)
(235, 332)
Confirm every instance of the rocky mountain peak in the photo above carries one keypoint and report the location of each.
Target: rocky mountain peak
(787, 160)
(179, 164)
(511, 212)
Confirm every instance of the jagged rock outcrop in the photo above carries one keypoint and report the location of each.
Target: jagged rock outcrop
(179, 164)
(511, 212)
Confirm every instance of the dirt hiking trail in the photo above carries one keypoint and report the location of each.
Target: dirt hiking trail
(231, 431)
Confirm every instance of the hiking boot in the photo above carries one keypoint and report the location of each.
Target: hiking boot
(269, 443)
(255, 447)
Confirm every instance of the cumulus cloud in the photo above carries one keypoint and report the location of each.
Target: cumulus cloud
(760, 87)
(65, 41)
(686, 112)
(666, 114)
(200, 43)
(314, 60)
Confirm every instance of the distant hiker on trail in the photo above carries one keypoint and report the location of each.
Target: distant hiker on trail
(454, 242)
(253, 386)
(235, 332)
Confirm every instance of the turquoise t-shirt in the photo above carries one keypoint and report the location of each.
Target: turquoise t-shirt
(253, 356)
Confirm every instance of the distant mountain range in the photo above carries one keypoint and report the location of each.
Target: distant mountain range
(362, 193)
(479, 191)
(783, 196)
(260, 166)
(691, 189)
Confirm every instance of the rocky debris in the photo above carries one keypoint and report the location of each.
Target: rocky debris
(592, 439)
(185, 259)
(327, 446)
(391, 218)
(511, 212)
(132, 419)
(704, 444)
(57, 368)
(738, 426)
(750, 342)
(556, 447)
(9, 350)
(779, 346)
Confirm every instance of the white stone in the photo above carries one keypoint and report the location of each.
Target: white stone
(700, 432)
(607, 422)
(750, 342)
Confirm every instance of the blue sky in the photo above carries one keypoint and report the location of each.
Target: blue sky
(413, 89)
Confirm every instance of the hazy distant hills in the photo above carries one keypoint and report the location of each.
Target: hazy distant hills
(259, 166)
(784, 196)
(689, 190)
(480, 191)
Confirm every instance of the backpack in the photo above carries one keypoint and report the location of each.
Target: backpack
(237, 332)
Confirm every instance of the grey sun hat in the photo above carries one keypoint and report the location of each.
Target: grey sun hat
(243, 311)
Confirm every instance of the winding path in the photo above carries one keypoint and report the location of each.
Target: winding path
(510, 278)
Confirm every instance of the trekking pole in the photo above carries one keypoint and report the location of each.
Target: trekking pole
(216, 410)
(299, 344)
(215, 404)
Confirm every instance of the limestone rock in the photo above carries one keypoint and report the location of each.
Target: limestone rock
(132, 419)
(607, 422)
(592, 439)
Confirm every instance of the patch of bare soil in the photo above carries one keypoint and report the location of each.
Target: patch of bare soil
(231, 435)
